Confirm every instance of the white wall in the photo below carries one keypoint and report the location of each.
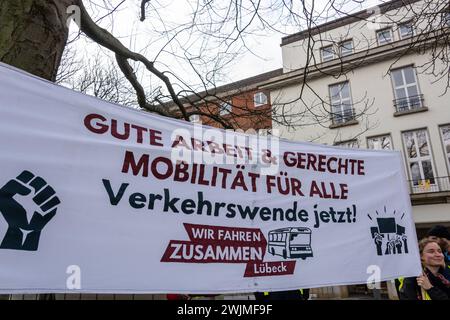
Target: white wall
(371, 86)
(363, 34)
(433, 213)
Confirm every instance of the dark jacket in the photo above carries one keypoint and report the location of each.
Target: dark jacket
(447, 269)
(410, 290)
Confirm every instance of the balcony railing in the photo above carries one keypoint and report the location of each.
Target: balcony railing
(436, 184)
(409, 103)
(342, 116)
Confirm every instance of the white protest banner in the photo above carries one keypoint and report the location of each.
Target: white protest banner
(99, 190)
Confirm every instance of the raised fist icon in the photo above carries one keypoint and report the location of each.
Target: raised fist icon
(25, 224)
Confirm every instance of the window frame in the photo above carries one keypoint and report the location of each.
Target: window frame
(342, 111)
(446, 18)
(380, 136)
(341, 46)
(197, 118)
(343, 144)
(446, 155)
(259, 93)
(384, 29)
(225, 111)
(405, 86)
(322, 50)
(399, 30)
(419, 159)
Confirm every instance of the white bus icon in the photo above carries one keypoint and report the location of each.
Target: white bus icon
(292, 242)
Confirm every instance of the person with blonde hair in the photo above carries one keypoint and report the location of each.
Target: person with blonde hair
(442, 236)
(432, 283)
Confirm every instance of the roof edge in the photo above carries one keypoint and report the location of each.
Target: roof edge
(350, 18)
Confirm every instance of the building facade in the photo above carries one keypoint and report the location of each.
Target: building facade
(384, 100)
(360, 84)
(241, 104)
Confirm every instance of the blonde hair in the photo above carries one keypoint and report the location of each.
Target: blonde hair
(424, 242)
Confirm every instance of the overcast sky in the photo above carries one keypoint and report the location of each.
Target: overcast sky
(145, 37)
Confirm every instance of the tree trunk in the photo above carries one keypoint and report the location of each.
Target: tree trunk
(33, 34)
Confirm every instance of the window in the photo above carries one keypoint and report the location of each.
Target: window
(346, 48)
(384, 36)
(446, 18)
(380, 143)
(327, 53)
(420, 162)
(405, 30)
(445, 134)
(406, 89)
(195, 118)
(341, 103)
(348, 144)
(225, 108)
(260, 99)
